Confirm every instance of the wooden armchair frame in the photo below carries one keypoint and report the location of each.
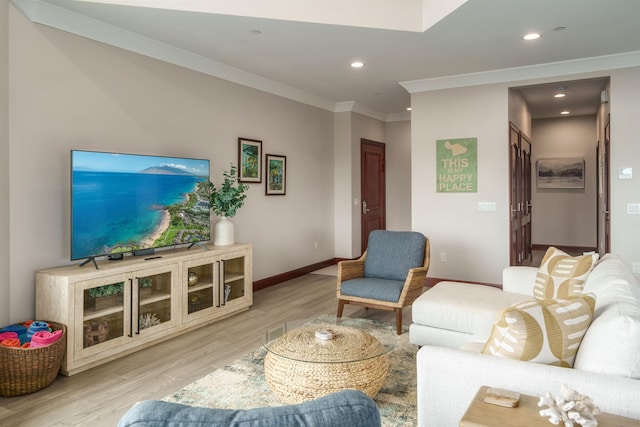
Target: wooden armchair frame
(412, 288)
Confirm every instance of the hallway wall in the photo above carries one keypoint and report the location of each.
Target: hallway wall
(565, 217)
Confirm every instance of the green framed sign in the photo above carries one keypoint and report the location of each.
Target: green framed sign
(457, 168)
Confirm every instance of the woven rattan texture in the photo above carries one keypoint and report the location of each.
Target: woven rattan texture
(27, 370)
(300, 367)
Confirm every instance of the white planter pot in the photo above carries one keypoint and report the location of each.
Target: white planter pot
(223, 232)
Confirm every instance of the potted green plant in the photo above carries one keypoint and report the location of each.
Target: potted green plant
(225, 202)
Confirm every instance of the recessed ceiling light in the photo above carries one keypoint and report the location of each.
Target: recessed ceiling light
(564, 113)
(357, 64)
(255, 32)
(559, 95)
(408, 108)
(531, 36)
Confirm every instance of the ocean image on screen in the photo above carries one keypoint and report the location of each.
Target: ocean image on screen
(123, 202)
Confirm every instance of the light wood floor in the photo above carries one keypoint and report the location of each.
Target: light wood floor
(100, 396)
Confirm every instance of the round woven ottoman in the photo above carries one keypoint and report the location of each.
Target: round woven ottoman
(300, 367)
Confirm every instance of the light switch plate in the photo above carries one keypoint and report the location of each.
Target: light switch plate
(633, 208)
(487, 206)
(625, 173)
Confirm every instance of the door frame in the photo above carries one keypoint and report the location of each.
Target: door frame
(603, 199)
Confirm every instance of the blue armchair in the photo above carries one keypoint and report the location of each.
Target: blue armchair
(390, 274)
(348, 408)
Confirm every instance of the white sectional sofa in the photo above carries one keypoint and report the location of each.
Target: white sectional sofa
(451, 322)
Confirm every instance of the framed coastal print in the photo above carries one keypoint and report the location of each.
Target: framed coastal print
(249, 155)
(560, 173)
(276, 174)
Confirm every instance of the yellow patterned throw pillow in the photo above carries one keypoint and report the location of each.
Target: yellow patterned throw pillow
(561, 275)
(548, 331)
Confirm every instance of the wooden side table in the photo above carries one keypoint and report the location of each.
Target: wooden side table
(482, 414)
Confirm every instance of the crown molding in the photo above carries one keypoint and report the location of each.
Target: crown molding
(342, 107)
(63, 19)
(553, 69)
(399, 117)
(406, 15)
(74, 23)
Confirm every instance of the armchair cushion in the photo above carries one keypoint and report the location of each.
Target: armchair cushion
(391, 254)
(373, 288)
(348, 408)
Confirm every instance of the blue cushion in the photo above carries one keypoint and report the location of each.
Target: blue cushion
(391, 254)
(348, 408)
(374, 288)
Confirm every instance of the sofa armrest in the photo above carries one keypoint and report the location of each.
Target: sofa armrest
(519, 279)
(448, 380)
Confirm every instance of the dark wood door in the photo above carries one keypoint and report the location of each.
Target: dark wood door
(525, 192)
(373, 181)
(606, 167)
(519, 197)
(514, 220)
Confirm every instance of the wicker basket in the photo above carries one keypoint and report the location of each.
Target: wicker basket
(27, 370)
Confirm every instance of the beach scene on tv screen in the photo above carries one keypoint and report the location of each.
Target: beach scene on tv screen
(125, 202)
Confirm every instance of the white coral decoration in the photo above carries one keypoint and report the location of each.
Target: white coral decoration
(569, 408)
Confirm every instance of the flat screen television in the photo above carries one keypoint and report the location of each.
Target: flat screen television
(127, 202)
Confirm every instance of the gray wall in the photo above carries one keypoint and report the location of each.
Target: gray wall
(398, 162)
(5, 253)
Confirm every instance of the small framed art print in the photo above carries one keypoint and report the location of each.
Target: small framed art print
(276, 174)
(249, 155)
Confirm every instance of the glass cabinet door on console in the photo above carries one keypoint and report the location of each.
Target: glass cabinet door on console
(103, 309)
(116, 309)
(215, 284)
(233, 288)
(154, 305)
(200, 294)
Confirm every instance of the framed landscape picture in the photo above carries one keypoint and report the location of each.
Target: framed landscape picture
(276, 174)
(560, 173)
(249, 155)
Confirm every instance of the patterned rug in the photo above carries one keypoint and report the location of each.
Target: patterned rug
(242, 385)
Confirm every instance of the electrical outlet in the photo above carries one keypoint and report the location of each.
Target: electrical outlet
(636, 267)
(315, 245)
(443, 257)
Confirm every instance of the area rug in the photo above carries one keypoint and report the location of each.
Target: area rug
(242, 385)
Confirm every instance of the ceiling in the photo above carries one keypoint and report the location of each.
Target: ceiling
(310, 61)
